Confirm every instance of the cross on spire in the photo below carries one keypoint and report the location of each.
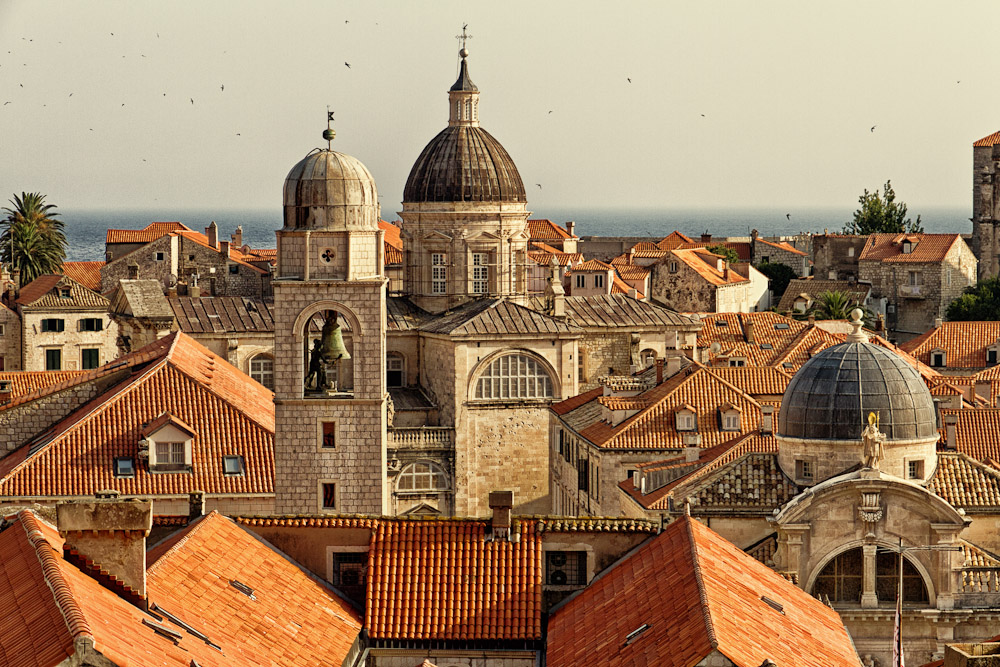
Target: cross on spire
(464, 36)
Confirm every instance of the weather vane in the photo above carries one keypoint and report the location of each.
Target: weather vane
(464, 36)
(329, 133)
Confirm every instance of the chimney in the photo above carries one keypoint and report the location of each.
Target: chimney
(673, 338)
(972, 655)
(812, 320)
(753, 235)
(766, 419)
(692, 447)
(938, 322)
(749, 330)
(196, 505)
(16, 277)
(501, 502)
(569, 228)
(706, 237)
(984, 390)
(633, 293)
(108, 535)
(880, 323)
(194, 291)
(659, 370)
(673, 365)
(237, 236)
(133, 271)
(950, 431)
(224, 249)
(212, 232)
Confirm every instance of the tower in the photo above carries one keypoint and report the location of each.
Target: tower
(329, 318)
(464, 214)
(985, 240)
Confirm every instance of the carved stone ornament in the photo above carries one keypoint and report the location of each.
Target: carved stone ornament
(870, 510)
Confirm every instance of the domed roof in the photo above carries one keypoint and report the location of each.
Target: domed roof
(464, 163)
(332, 191)
(831, 395)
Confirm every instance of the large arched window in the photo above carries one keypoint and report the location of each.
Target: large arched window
(514, 376)
(842, 578)
(262, 370)
(422, 477)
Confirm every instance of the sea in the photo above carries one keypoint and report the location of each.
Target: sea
(86, 228)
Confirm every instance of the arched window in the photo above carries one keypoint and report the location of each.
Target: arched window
(514, 376)
(842, 578)
(262, 370)
(648, 357)
(395, 370)
(423, 476)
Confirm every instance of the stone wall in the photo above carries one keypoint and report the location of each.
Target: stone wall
(606, 353)
(985, 239)
(71, 341)
(835, 256)
(683, 290)
(10, 340)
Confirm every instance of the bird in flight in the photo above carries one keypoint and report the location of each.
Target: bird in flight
(629, 79)
(222, 88)
(550, 112)
(6, 103)
(348, 65)
(539, 185)
(703, 115)
(237, 134)
(71, 94)
(873, 127)
(788, 216)
(192, 100)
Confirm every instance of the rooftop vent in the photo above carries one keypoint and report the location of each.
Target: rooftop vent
(721, 323)
(766, 346)
(777, 606)
(243, 588)
(632, 636)
(781, 325)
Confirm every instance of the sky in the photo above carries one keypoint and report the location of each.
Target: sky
(139, 105)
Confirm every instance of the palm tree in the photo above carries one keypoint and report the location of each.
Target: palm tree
(32, 241)
(836, 305)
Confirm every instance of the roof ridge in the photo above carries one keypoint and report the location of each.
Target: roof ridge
(73, 616)
(191, 529)
(700, 582)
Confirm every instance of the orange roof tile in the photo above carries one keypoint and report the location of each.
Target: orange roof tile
(965, 482)
(441, 580)
(889, 248)
(782, 245)
(592, 265)
(741, 248)
(755, 380)
(41, 293)
(964, 343)
(562, 258)
(673, 240)
(231, 414)
(977, 432)
(87, 274)
(695, 593)
(619, 286)
(546, 229)
(705, 264)
(25, 382)
(988, 140)
(150, 232)
(631, 271)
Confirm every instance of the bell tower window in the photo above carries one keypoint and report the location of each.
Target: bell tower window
(329, 368)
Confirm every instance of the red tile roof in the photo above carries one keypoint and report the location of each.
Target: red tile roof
(673, 240)
(977, 432)
(87, 274)
(562, 258)
(592, 265)
(619, 286)
(755, 380)
(150, 232)
(41, 293)
(25, 382)
(889, 248)
(741, 248)
(442, 580)
(705, 264)
(782, 245)
(393, 243)
(988, 140)
(965, 482)
(965, 343)
(546, 229)
(630, 271)
(697, 593)
(231, 414)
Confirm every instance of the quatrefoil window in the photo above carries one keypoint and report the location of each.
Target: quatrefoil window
(327, 255)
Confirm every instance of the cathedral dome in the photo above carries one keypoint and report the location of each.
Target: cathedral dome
(330, 191)
(464, 163)
(833, 393)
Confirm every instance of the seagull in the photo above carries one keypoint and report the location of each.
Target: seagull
(222, 87)
(788, 216)
(539, 185)
(6, 103)
(346, 21)
(550, 112)
(71, 94)
(237, 134)
(192, 100)
(348, 65)
(873, 127)
(703, 115)
(629, 79)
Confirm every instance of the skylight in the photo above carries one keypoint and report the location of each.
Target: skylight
(243, 588)
(721, 323)
(777, 606)
(766, 346)
(781, 325)
(232, 465)
(124, 467)
(632, 636)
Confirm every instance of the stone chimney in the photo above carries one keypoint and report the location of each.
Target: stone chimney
(501, 502)
(237, 236)
(196, 505)
(107, 538)
(659, 370)
(766, 419)
(212, 232)
(938, 322)
(673, 365)
(633, 293)
(224, 249)
(692, 447)
(569, 227)
(880, 323)
(133, 271)
(984, 390)
(194, 291)
(555, 291)
(706, 237)
(812, 320)
(749, 326)
(950, 430)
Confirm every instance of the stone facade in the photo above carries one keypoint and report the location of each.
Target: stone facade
(835, 256)
(680, 287)
(10, 340)
(71, 342)
(774, 252)
(985, 239)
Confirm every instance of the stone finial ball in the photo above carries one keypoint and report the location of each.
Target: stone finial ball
(857, 314)
(464, 52)
(329, 135)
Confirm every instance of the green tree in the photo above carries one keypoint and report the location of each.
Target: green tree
(728, 253)
(882, 214)
(978, 302)
(780, 275)
(32, 240)
(836, 305)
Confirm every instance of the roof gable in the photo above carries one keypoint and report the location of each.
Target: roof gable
(930, 248)
(965, 343)
(150, 232)
(44, 292)
(87, 274)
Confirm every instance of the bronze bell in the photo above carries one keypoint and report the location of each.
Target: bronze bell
(333, 347)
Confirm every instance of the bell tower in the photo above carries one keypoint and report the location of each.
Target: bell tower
(329, 340)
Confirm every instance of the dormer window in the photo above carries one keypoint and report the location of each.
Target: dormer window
(685, 417)
(908, 246)
(737, 362)
(991, 355)
(168, 441)
(938, 358)
(65, 293)
(730, 417)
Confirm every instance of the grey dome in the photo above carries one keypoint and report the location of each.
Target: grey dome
(464, 163)
(328, 190)
(831, 395)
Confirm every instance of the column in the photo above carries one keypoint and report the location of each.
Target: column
(869, 600)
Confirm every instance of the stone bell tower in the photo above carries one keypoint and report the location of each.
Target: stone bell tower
(329, 340)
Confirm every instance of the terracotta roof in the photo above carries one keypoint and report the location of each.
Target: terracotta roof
(41, 293)
(619, 286)
(222, 314)
(295, 618)
(889, 248)
(25, 382)
(965, 343)
(393, 243)
(545, 247)
(741, 248)
(812, 288)
(231, 414)
(150, 232)
(543, 524)
(988, 140)
(592, 265)
(235, 254)
(543, 258)
(966, 483)
(763, 550)
(695, 593)
(977, 432)
(755, 380)
(705, 265)
(261, 254)
(87, 274)
(443, 580)
(620, 310)
(673, 240)
(496, 317)
(773, 335)
(546, 229)
(782, 245)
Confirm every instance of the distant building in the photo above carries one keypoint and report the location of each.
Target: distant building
(835, 256)
(958, 348)
(779, 252)
(985, 240)
(695, 280)
(801, 295)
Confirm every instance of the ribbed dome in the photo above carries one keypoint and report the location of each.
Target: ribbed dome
(831, 395)
(464, 163)
(332, 191)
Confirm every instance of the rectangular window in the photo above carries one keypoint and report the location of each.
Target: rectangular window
(439, 273)
(1, 363)
(565, 568)
(329, 435)
(349, 569)
(581, 281)
(91, 324)
(1, 330)
(53, 324)
(53, 360)
(583, 475)
(329, 496)
(731, 421)
(737, 362)
(850, 251)
(232, 465)
(480, 273)
(65, 293)
(914, 278)
(915, 469)
(170, 453)
(804, 470)
(124, 467)
(598, 281)
(673, 267)
(937, 359)
(90, 359)
(685, 421)
(158, 256)
(562, 440)
(234, 269)
(991, 357)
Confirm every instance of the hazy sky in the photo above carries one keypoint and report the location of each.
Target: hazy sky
(730, 104)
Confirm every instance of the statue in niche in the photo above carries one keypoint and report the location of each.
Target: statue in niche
(327, 351)
(873, 442)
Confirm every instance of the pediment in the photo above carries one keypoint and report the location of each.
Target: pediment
(435, 235)
(483, 236)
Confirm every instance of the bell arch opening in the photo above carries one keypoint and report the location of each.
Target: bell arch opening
(327, 355)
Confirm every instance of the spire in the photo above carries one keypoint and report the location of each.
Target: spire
(463, 96)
